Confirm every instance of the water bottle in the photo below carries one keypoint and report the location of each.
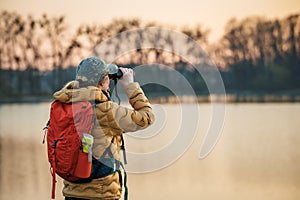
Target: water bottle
(87, 145)
(84, 163)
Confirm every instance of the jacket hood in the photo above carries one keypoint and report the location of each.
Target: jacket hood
(72, 93)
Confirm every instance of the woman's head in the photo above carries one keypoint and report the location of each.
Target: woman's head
(91, 71)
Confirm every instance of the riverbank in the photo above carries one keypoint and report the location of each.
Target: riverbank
(25, 99)
(228, 98)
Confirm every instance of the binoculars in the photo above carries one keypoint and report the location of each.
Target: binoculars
(114, 72)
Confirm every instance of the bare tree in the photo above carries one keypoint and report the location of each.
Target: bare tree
(55, 37)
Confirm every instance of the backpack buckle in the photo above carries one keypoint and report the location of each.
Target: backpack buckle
(54, 143)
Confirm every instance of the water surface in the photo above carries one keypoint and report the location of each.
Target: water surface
(257, 156)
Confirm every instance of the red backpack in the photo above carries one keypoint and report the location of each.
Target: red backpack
(68, 122)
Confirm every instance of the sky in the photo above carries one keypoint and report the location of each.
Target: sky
(211, 14)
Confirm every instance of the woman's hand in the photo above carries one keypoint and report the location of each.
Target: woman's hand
(127, 76)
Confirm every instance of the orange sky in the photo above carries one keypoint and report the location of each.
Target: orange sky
(212, 14)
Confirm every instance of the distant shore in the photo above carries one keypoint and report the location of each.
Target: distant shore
(26, 99)
(228, 98)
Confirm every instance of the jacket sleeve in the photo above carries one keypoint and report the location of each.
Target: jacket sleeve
(139, 116)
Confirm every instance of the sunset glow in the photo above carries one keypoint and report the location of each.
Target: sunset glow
(212, 15)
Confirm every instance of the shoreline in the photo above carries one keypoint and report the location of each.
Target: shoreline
(217, 98)
(228, 98)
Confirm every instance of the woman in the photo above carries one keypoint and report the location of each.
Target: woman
(92, 84)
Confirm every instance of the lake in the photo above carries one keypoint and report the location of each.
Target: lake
(256, 157)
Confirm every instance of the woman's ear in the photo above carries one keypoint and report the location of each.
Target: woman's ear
(99, 85)
(103, 82)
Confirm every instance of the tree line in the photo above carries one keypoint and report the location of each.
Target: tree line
(262, 53)
(38, 55)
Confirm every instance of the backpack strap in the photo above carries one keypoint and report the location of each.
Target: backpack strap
(108, 150)
(125, 181)
(45, 129)
(52, 170)
(121, 164)
(53, 167)
(53, 181)
(123, 149)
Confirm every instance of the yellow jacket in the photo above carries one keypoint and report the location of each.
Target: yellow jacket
(112, 121)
